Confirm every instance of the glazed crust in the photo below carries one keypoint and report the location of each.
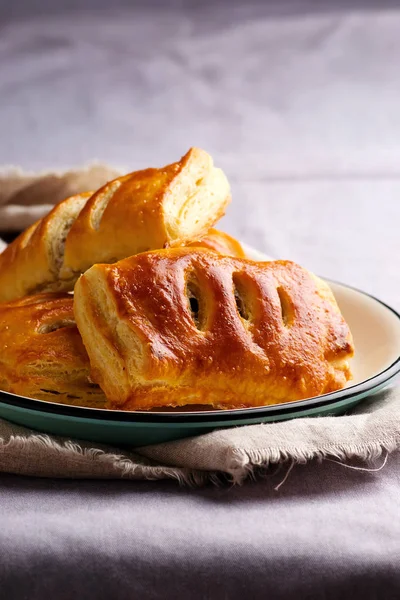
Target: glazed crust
(145, 210)
(187, 326)
(32, 262)
(220, 242)
(42, 352)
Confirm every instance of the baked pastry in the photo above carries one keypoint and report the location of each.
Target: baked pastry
(42, 352)
(187, 326)
(220, 242)
(145, 210)
(32, 262)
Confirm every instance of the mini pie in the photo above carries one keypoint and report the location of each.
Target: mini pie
(42, 352)
(186, 326)
(145, 210)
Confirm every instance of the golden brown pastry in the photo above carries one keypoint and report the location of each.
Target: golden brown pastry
(145, 210)
(32, 262)
(187, 326)
(220, 242)
(42, 355)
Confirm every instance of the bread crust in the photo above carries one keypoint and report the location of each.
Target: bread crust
(220, 242)
(31, 263)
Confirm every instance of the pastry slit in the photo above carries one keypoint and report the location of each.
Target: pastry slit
(68, 212)
(287, 311)
(102, 201)
(195, 302)
(241, 299)
(50, 327)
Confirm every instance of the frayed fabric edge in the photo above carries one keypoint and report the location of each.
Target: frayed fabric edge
(245, 463)
(120, 467)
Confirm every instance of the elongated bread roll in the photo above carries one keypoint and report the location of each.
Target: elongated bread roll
(145, 210)
(42, 352)
(188, 326)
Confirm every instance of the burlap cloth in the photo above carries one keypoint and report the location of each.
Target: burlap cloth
(233, 454)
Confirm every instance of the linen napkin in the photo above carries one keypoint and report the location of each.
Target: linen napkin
(230, 454)
(27, 197)
(234, 454)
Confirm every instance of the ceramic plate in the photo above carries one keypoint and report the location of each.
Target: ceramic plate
(376, 331)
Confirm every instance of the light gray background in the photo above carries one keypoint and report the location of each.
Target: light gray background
(299, 103)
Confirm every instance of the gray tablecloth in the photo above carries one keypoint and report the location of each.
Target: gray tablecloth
(299, 104)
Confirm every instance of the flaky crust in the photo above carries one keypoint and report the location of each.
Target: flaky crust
(220, 242)
(42, 353)
(187, 326)
(32, 262)
(142, 211)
